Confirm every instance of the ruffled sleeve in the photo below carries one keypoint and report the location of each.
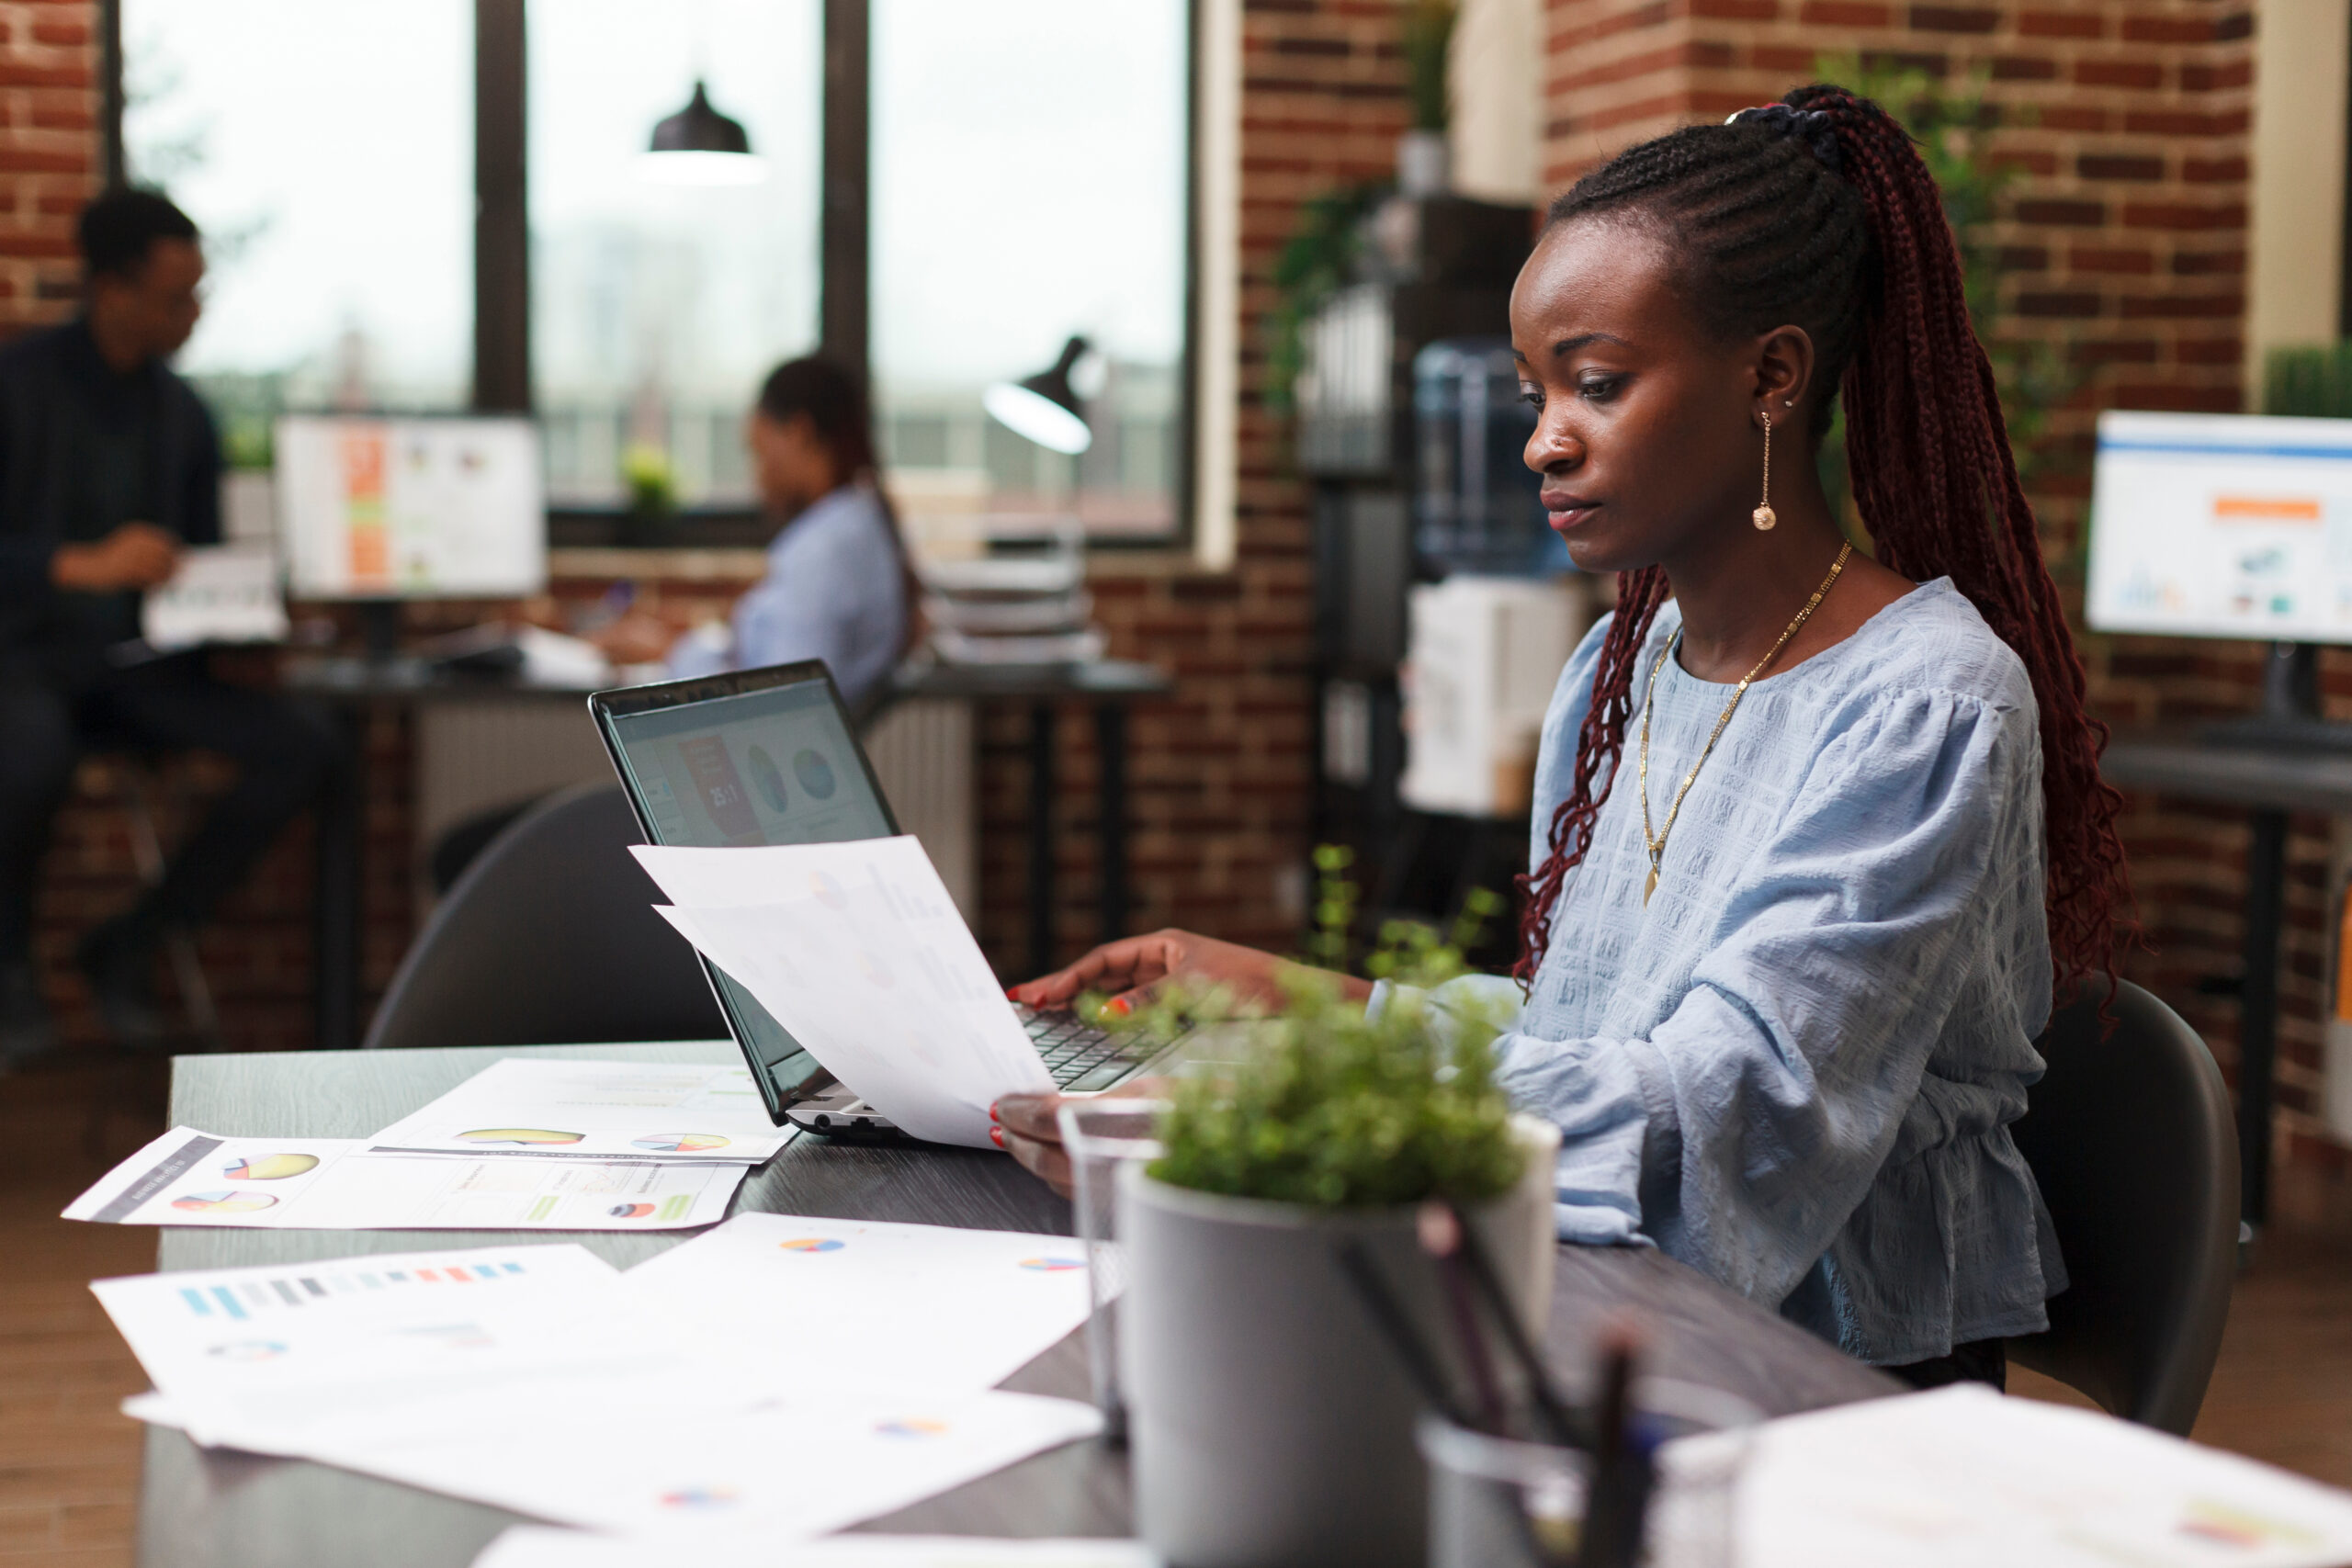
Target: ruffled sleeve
(1753, 1119)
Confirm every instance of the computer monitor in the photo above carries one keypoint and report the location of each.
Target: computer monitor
(410, 508)
(2226, 525)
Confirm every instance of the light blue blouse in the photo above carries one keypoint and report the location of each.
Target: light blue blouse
(1794, 1069)
(833, 590)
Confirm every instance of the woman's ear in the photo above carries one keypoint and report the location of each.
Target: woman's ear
(1784, 364)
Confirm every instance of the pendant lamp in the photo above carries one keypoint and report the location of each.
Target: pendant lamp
(700, 146)
(1043, 407)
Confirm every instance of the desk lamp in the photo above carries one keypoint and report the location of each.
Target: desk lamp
(1043, 407)
(699, 146)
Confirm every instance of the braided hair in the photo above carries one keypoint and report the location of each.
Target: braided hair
(1816, 211)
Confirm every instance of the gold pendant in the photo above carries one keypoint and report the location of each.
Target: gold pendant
(1649, 887)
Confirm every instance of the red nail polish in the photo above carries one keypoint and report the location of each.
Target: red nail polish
(992, 1115)
(1118, 1006)
(996, 1136)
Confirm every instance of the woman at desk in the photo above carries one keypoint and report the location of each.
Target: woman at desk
(1818, 836)
(837, 580)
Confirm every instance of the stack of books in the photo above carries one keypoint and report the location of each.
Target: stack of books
(1024, 601)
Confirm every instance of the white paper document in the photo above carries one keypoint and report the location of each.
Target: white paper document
(794, 1303)
(190, 1177)
(528, 1546)
(222, 594)
(594, 1111)
(265, 1355)
(783, 1470)
(857, 949)
(1962, 1477)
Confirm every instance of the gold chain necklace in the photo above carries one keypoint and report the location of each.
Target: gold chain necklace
(1656, 843)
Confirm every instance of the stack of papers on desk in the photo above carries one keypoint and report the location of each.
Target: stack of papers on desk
(538, 1379)
(1962, 1477)
(523, 1144)
(857, 949)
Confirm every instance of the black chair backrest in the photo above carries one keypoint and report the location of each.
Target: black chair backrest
(2131, 1141)
(549, 938)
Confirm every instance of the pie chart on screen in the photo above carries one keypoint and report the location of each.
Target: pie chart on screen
(680, 1143)
(223, 1203)
(815, 774)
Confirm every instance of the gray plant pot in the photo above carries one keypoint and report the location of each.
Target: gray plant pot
(1268, 1422)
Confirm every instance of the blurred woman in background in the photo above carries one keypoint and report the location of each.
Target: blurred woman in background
(838, 580)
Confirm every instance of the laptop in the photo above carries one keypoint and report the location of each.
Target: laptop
(769, 757)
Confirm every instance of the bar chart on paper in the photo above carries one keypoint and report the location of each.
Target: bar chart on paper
(256, 1298)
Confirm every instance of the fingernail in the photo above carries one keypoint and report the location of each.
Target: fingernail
(996, 1136)
(1118, 1006)
(1012, 993)
(992, 1111)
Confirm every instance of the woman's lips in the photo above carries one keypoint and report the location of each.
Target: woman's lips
(1565, 512)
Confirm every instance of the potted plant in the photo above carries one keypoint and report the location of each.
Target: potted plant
(1425, 154)
(1271, 1418)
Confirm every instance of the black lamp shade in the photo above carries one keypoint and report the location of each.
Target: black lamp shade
(1045, 407)
(698, 128)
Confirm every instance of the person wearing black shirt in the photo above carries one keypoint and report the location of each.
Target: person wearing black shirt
(110, 466)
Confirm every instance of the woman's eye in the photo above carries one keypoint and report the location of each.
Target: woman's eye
(1531, 394)
(1598, 388)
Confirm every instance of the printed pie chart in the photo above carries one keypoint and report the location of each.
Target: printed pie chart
(813, 1244)
(631, 1211)
(269, 1168)
(910, 1427)
(518, 1135)
(815, 774)
(1052, 1265)
(224, 1203)
(680, 1143)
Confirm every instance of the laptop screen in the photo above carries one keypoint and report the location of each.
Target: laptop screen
(775, 765)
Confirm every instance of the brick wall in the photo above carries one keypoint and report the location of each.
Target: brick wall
(2125, 237)
(49, 150)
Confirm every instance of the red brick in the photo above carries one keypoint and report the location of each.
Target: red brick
(2141, 166)
(1954, 20)
(2104, 259)
(2119, 73)
(1845, 13)
(2062, 24)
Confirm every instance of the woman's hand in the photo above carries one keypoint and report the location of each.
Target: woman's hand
(1028, 1127)
(1133, 970)
(638, 637)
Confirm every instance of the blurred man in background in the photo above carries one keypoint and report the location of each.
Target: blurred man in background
(109, 467)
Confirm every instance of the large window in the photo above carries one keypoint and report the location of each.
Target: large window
(326, 150)
(1030, 163)
(1027, 180)
(656, 308)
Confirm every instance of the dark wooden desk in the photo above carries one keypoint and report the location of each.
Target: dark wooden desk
(223, 1510)
(2270, 783)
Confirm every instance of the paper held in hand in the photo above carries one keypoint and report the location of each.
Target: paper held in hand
(857, 949)
(222, 594)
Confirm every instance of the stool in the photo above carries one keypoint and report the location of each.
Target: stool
(139, 779)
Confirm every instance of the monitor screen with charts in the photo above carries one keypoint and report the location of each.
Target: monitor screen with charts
(383, 508)
(2224, 525)
(751, 757)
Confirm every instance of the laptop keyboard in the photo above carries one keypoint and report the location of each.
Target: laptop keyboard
(1073, 1049)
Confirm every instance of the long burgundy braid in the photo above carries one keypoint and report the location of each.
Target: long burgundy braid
(1818, 211)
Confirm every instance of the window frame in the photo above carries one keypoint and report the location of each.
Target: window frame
(501, 380)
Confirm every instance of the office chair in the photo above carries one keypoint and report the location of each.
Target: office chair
(551, 938)
(2132, 1140)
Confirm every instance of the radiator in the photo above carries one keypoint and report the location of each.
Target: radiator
(473, 756)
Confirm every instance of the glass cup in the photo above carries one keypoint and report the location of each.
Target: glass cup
(1100, 1135)
(1504, 1503)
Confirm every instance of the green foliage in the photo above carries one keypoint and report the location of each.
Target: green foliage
(1428, 42)
(2314, 382)
(652, 482)
(1314, 264)
(1950, 123)
(1334, 1110)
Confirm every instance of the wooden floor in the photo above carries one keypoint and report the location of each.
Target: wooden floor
(69, 1459)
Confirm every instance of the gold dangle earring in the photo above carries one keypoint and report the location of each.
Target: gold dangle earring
(1764, 517)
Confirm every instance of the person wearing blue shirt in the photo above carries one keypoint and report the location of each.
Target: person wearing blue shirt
(1819, 834)
(838, 582)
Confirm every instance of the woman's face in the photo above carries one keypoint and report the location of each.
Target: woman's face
(794, 468)
(1645, 432)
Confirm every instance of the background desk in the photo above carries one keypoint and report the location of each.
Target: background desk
(221, 1510)
(2269, 784)
(356, 688)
